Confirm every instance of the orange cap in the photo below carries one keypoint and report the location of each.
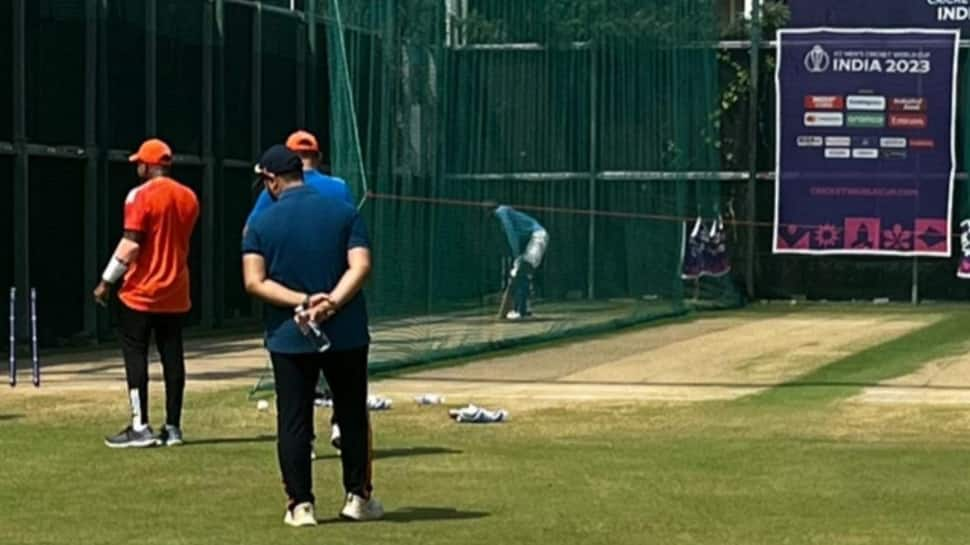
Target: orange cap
(153, 152)
(302, 141)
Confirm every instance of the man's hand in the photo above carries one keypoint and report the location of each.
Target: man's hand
(321, 307)
(102, 293)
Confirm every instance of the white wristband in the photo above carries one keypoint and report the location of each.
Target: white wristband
(114, 271)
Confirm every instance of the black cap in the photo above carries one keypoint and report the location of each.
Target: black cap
(278, 160)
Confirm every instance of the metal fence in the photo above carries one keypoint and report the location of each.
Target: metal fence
(221, 80)
(90, 79)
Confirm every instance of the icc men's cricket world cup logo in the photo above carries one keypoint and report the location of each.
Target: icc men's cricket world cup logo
(817, 60)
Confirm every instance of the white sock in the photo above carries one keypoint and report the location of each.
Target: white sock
(136, 420)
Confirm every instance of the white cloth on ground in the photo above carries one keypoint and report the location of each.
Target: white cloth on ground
(378, 403)
(473, 414)
(429, 399)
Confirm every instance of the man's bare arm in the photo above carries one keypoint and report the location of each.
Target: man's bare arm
(258, 285)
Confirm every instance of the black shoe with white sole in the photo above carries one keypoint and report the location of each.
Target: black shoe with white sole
(129, 438)
(171, 436)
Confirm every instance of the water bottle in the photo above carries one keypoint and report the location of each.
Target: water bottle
(316, 335)
(311, 330)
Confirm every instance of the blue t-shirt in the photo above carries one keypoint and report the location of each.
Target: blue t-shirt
(518, 227)
(304, 238)
(325, 185)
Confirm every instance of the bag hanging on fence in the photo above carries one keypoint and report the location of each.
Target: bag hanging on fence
(692, 254)
(705, 250)
(717, 262)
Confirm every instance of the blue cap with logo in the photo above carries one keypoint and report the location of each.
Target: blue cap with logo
(277, 160)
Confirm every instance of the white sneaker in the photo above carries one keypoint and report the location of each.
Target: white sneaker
(361, 510)
(301, 515)
(513, 315)
(335, 436)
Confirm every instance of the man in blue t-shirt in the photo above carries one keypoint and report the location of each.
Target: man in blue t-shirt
(305, 145)
(528, 241)
(307, 257)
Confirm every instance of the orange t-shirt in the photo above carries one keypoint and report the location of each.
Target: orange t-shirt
(165, 212)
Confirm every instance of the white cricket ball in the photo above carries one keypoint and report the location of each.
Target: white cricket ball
(262, 405)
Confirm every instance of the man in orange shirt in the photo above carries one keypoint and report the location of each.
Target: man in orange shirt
(152, 257)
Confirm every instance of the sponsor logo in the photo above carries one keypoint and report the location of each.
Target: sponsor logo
(865, 153)
(864, 142)
(922, 143)
(892, 142)
(817, 60)
(810, 141)
(837, 153)
(824, 102)
(865, 120)
(824, 119)
(865, 103)
(903, 104)
(908, 121)
(838, 141)
(893, 154)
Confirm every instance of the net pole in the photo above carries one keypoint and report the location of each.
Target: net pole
(914, 287)
(312, 115)
(21, 177)
(208, 217)
(593, 164)
(151, 66)
(93, 20)
(755, 63)
(303, 25)
(256, 104)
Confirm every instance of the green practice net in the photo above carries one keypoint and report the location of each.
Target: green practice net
(616, 124)
(587, 115)
(599, 119)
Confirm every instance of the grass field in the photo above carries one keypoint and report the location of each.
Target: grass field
(803, 462)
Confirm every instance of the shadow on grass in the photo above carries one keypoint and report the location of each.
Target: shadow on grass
(10, 417)
(383, 454)
(229, 440)
(421, 514)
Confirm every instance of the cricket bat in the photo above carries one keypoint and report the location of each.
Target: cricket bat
(506, 303)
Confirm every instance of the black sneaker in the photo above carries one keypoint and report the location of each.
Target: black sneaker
(171, 436)
(129, 438)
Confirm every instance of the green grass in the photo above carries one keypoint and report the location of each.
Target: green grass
(717, 473)
(897, 357)
(797, 464)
